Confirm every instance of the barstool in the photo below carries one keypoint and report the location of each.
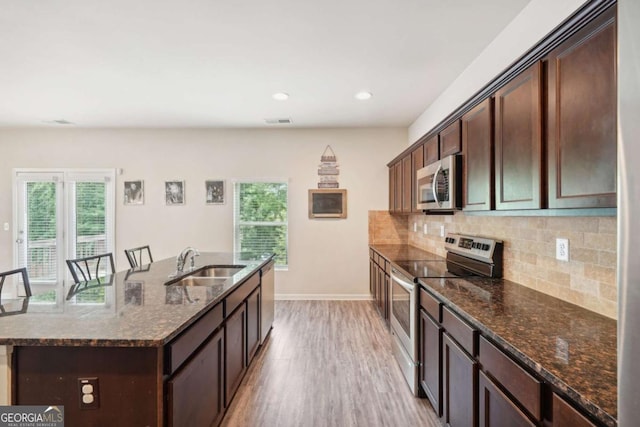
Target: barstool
(89, 267)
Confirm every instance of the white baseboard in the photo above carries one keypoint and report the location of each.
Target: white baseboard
(323, 297)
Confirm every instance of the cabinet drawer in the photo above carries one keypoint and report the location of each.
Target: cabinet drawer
(522, 386)
(565, 415)
(240, 294)
(464, 334)
(431, 305)
(186, 343)
(497, 409)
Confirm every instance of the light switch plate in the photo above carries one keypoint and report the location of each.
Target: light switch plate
(6, 226)
(562, 249)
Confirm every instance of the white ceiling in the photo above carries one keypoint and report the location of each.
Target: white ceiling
(214, 63)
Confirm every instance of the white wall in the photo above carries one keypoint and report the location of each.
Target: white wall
(535, 21)
(327, 257)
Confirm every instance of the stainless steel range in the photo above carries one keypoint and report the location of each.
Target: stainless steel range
(466, 256)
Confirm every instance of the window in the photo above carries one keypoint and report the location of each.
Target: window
(261, 221)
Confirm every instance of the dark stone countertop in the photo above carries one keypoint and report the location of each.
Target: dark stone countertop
(132, 308)
(537, 329)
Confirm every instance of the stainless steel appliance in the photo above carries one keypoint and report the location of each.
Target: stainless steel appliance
(438, 185)
(628, 213)
(466, 256)
(267, 308)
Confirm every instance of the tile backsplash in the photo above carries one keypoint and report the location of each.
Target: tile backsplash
(588, 279)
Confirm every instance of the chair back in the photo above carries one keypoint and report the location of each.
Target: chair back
(16, 273)
(139, 256)
(91, 267)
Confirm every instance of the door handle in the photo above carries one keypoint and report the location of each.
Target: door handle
(435, 183)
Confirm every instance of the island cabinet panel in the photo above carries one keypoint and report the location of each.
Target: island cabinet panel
(477, 139)
(431, 360)
(239, 295)
(518, 142)
(524, 388)
(196, 392)
(235, 348)
(496, 409)
(565, 415)
(129, 391)
(431, 150)
(186, 343)
(581, 100)
(460, 385)
(417, 162)
(253, 324)
(450, 141)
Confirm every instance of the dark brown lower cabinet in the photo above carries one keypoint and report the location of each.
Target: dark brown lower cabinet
(431, 360)
(196, 392)
(564, 415)
(496, 409)
(235, 351)
(253, 324)
(460, 385)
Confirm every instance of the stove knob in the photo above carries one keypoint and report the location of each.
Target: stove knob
(485, 247)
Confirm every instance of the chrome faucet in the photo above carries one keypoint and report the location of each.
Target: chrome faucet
(181, 260)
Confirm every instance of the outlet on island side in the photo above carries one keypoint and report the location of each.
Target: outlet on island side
(562, 249)
(89, 393)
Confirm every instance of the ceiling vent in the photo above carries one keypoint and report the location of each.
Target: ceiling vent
(286, 121)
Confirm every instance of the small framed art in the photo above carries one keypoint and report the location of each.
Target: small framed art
(174, 192)
(134, 192)
(215, 192)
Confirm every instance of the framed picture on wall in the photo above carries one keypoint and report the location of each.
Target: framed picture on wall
(215, 192)
(174, 192)
(327, 203)
(134, 192)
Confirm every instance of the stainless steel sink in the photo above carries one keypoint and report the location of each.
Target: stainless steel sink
(201, 281)
(222, 271)
(209, 276)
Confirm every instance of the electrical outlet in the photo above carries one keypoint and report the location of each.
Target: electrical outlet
(415, 227)
(562, 249)
(89, 393)
(442, 231)
(425, 230)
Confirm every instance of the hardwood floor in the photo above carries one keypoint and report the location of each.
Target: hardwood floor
(327, 363)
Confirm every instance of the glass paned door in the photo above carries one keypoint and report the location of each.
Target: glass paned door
(39, 229)
(61, 215)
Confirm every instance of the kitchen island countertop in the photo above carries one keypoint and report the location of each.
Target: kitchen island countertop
(132, 308)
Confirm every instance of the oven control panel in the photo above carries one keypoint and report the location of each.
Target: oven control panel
(481, 248)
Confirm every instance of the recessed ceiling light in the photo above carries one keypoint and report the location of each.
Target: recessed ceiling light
(363, 96)
(280, 96)
(58, 122)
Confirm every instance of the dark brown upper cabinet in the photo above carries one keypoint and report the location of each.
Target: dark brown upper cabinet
(518, 142)
(450, 142)
(398, 191)
(417, 162)
(477, 140)
(392, 189)
(406, 183)
(581, 119)
(431, 150)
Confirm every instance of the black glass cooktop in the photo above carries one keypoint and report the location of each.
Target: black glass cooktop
(430, 269)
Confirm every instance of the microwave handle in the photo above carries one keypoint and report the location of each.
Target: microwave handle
(433, 186)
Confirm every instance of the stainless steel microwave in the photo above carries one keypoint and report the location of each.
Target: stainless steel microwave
(439, 184)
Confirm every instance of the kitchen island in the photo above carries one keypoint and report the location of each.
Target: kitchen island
(130, 349)
(566, 353)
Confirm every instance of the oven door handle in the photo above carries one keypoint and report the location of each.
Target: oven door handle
(401, 281)
(435, 183)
